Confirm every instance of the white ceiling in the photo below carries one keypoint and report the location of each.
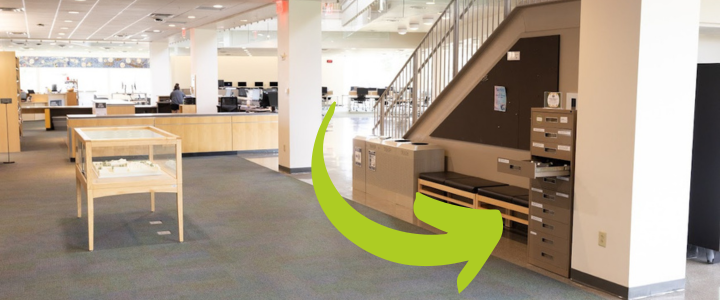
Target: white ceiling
(105, 19)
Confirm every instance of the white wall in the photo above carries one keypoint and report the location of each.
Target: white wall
(709, 49)
(160, 70)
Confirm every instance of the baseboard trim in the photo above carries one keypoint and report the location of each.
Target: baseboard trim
(623, 291)
(287, 170)
(200, 154)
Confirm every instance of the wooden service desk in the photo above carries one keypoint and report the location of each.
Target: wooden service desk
(219, 133)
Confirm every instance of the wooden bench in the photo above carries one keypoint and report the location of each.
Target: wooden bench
(477, 193)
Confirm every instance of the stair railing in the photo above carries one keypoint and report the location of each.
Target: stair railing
(450, 43)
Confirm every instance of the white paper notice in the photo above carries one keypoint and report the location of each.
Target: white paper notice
(539, 145)
(371, 160)
(539, 129)
(504, 161)
(563, 148)
(537, 190)
(358, 156)
(563, 120)
(565, 132)
(536, 219)
(537, 204)
(562, 195)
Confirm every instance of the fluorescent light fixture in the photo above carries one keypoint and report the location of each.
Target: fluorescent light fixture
(156, 30)
(243, 20)
(61, 33)
(402, 30)
(217, 6)
(430, 2)
(414, 26)
(68, 21)
(191, 17)
(428, 20)
(143, 35)
(73, 12)
(172, 25)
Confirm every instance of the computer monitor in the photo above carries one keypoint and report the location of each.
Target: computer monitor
(31, 91)
(259, 84)
(221, 83)
(242, 92)
(229, 83)
(324, 90)
(242, 83)
(228, 101)
(380, 92)
(54, 88)
(273, 83)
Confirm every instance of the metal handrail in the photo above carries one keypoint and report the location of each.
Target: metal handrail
(457, 34)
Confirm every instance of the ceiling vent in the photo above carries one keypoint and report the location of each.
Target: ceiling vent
(164, 16)
(122, 35)
(11, 9)
(18, 42)
(16, 33)
(202, 7)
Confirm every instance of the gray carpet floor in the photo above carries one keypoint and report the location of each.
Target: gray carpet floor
(250, 233)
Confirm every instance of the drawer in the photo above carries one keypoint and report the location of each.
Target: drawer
(551, 260)
(546, 118)
(563, 185)
(546, 211)
(549, 226)
(549, 241)
(552, 150)
(530, 169)
(548, 197)
(552, 135)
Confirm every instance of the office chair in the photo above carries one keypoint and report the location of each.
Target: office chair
(228, 104)
(361, 93)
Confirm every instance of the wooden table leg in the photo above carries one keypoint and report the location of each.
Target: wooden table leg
(91, 221)
(180, 213)
(152, 201)
(79, 198)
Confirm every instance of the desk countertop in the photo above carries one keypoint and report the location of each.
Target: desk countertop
(230, 114)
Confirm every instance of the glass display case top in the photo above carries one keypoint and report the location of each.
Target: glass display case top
(122, 134)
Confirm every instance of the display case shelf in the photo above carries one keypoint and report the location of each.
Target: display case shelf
(124, 147)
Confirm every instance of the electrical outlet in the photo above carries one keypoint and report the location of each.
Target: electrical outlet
(602, 239)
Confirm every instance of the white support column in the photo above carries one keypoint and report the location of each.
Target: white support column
(204, 68)
(160, 70)
(637, 72)
(299, 74)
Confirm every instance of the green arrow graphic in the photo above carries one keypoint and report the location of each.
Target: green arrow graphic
(471, 234)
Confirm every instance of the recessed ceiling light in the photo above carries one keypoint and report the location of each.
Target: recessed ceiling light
(428, 20)
(80, 0)
(68, 21)
(243, 20)
(73, 12)
(61, 33)
(156, 30)
(183, 28)
(191, 17)
(402, 30)
(430, 2)
(172, 25)
(64, 28)
(217, 6)
(414, 26)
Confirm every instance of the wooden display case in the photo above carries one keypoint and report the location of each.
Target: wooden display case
(127, 160)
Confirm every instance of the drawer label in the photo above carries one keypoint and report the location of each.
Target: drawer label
(539, 129)
(533, 232)
(539, 145)
(563, 178)
(539, 205)
(539, 119)
(537, 190)
(564, 148)
(504, 161)
(536, 219)
(565, 132)
(562, 195)
(563, 120)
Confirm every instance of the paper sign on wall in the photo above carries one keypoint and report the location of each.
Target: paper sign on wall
(100, 109)
(500, 99)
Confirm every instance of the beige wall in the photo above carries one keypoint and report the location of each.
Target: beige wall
(481, 160)
(230, 68)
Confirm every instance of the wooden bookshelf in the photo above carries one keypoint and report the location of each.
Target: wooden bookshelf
(9, 88)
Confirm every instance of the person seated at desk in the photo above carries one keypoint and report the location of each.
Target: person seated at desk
(23, 96)
(177, 97)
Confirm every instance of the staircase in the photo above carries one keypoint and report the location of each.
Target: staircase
(460, 31)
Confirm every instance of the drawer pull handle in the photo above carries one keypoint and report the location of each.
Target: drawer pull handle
(551, 135)
(514, 167)
(543, 254)
(546, 241)
(549, 180)
(549, 197)
(550, 150)
(547, 211)
(548, 226)
(551, 120)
